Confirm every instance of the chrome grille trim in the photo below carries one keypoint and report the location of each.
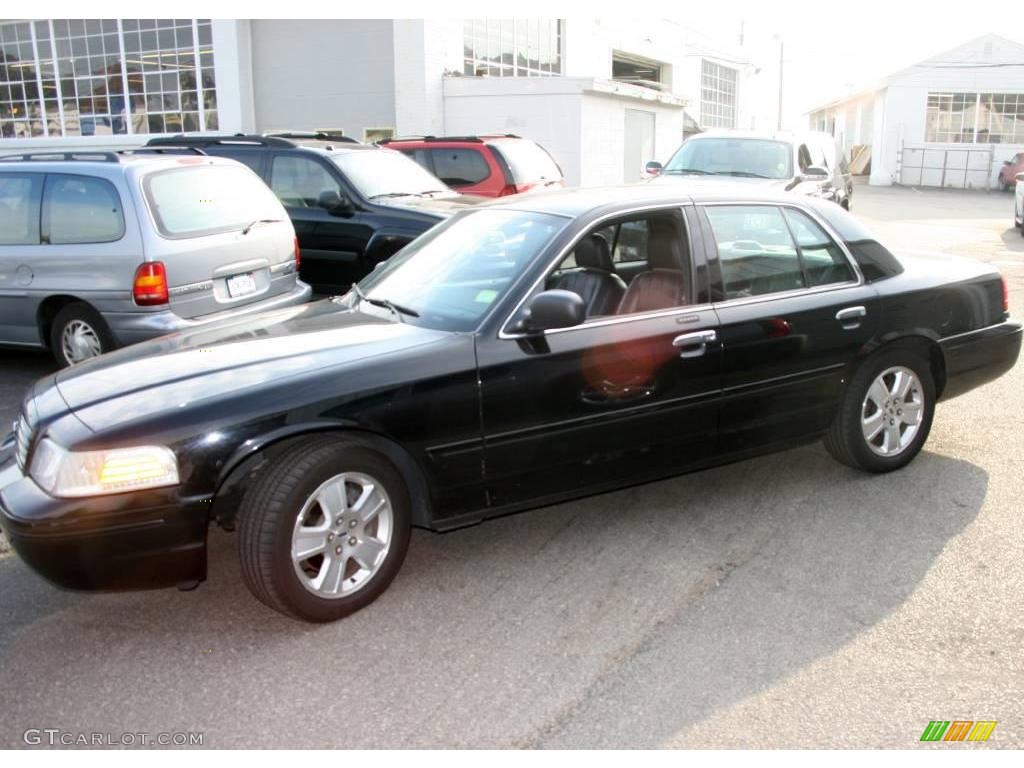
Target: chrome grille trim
(23, 434)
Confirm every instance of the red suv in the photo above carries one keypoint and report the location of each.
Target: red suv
(1008, 173)
(490, 166)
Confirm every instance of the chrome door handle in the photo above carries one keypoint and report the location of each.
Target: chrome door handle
(694, 344)
(850, 317)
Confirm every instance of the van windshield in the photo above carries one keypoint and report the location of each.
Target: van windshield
(726, 156)
(197, 200)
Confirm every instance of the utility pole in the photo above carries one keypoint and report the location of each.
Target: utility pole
(781, 46)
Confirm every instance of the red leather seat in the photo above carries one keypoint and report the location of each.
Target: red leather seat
(664, 285)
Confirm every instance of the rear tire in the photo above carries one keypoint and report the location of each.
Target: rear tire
(78, 333)
(885, 413)
(304, 546)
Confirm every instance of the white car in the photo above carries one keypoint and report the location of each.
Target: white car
(1018, 204)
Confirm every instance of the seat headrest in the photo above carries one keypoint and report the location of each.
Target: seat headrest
(593, 252)
(665, 247)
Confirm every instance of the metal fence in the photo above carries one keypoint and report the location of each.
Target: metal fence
(924, 165)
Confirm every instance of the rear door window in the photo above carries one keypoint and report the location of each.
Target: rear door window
(756, 253)
(81, 209)
(824, 262)
(253, 159)
(421, 156)
(201, 200)
(459, 167)
(19, 208)
(299, 181)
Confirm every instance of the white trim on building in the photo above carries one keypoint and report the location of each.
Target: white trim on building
(950, 120)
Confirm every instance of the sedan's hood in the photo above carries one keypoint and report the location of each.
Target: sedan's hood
(748, 180)
(230, 357)
(437, 206)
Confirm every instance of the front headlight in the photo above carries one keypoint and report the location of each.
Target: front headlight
(65, 473)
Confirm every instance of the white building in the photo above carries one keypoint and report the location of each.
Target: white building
(948, 121)
(603, 96)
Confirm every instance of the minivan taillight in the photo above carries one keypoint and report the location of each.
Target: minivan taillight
(150, 285)
(1006, 294)
(298, 254)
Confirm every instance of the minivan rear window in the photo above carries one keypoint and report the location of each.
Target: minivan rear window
(195, 200)
(527, 161)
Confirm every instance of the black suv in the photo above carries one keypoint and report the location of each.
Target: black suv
(353, 205)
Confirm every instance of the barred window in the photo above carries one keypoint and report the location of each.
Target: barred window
(512, 47)
(86, 77)
(717, 95)
(975, 118)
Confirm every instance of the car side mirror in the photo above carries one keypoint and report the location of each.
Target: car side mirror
(551, 309)
(653, 168)
(815, 173)
(335, 203)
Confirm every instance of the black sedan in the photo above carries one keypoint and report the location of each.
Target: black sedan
(519, 354)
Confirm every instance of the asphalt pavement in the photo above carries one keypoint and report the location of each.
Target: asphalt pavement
(781, 602)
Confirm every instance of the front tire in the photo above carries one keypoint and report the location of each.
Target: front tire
(324, 530)
(885, 413)
(78, 333)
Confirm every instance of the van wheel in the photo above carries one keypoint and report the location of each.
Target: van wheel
(324, 530)
(78, 333)
(885, 413)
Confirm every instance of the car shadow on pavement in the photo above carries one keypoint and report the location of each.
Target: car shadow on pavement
(564, 626)
(1012, 239)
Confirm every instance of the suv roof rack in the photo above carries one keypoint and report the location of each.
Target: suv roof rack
(317, 135)
(162, 150)
(289, 139)
(83, 156)
(479, 139)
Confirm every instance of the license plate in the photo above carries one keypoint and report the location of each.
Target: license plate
(240, 285)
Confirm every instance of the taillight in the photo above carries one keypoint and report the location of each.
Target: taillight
(1006, 294)
(150, 285)
(298, 254)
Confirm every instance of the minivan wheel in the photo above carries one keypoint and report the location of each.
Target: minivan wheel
(78, 333)
(885, 413)
(324, 530)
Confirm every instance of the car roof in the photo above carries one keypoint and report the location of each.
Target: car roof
(107, 164)
(284, 141)
(480, 138)
(576, 201)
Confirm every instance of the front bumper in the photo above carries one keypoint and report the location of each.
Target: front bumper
(978, 357)
(132, 327)
(138, 540)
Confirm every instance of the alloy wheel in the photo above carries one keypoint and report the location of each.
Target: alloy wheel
(892, 411)
(342, 535)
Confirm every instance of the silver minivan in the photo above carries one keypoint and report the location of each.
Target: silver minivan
(103, 249)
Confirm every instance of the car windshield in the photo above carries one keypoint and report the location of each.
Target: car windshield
(758, 158)
(385, 173)
(199, 200)
(527, 161)
(450, 276)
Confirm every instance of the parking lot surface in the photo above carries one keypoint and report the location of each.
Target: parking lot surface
(784, 601)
